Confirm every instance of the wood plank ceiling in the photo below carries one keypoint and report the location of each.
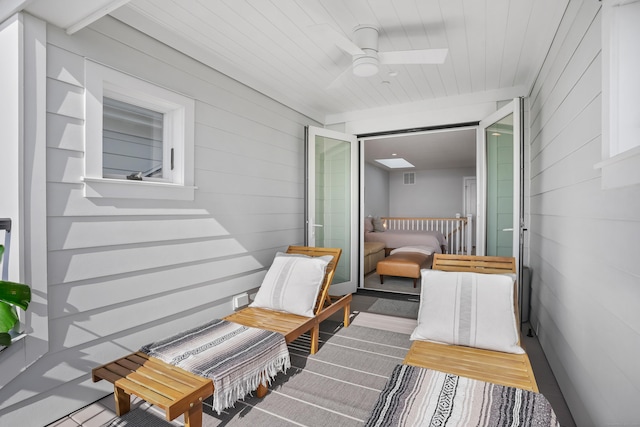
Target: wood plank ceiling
(496, 47)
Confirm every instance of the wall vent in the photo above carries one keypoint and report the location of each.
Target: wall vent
(409, 178)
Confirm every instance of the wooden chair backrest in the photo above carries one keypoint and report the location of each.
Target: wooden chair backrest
(474, 263)
(323, 294)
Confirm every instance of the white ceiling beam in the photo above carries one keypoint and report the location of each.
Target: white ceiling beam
(94, 16)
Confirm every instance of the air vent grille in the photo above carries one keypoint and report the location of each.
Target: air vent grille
(409, 178)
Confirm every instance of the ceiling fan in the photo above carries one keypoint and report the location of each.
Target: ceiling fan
(365, 56)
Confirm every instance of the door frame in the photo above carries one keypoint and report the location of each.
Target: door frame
(514, 107)
(311, 132)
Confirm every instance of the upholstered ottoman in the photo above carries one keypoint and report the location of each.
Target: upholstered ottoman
(373, 252)
(405, 262)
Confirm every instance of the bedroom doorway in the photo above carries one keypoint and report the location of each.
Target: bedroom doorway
(431, 187)
(497, 218)
(362, 192)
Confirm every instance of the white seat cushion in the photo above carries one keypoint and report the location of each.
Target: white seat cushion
(469, 309)
(292, 284)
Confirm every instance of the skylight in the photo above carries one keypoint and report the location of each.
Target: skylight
(395, 163)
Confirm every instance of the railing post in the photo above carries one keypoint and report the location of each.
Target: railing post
(469, 240)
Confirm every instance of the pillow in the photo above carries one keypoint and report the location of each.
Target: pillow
(292, 283)
(378, 225)
(421, 249)
(469, 309)
(368, 224)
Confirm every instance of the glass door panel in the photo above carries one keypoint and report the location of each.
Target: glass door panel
(500, 169)
(500, 225)
(500, 221)
(332, 200)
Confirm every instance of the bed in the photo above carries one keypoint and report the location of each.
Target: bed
(393, 239)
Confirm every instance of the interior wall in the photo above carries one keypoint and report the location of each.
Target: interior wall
(584, 262)
(376, 191)
(436, 193)
(124, 272)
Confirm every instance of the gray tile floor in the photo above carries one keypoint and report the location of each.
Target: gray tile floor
(103, 411)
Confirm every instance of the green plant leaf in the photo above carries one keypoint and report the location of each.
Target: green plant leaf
(5, 339)
(1, 252)
(15, 293)
(8, 317)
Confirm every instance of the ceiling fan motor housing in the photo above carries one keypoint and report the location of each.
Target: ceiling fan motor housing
(366, 37)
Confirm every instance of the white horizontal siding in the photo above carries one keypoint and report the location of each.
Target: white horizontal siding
(74, 330)
(583, 252)
(65, 133)
(79, 264)
(72, 298)
(125, 272)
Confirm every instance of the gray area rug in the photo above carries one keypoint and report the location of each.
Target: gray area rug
(390, 307)
(392, 284)
(338, 386)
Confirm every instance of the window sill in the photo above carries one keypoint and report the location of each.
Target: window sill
(128, 189)
(621, 170)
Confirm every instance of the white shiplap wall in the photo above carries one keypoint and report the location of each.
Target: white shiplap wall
(583, 249)
(125, 272)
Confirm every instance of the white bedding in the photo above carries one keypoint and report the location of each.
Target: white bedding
(400, 238)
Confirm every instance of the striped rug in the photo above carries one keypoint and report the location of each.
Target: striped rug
(338, 386)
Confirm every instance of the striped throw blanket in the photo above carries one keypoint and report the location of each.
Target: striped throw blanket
(423, 397)
(237, 358)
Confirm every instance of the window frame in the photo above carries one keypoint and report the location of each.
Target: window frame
(179, 119)
(619, 167)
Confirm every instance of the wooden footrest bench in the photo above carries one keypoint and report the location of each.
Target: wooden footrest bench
(173, 389)
(403, 264)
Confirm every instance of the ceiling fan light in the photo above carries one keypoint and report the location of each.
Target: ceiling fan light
(365, 67)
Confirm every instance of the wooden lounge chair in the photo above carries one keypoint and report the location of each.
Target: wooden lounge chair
(486, 365)
(180, 392)
(293, 325)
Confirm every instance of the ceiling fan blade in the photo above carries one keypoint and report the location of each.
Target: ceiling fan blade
(327, 32)
(340, 80)
(426, 56)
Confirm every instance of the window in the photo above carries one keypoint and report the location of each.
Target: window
(132, 141)
(620, 92)
(139, 138)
